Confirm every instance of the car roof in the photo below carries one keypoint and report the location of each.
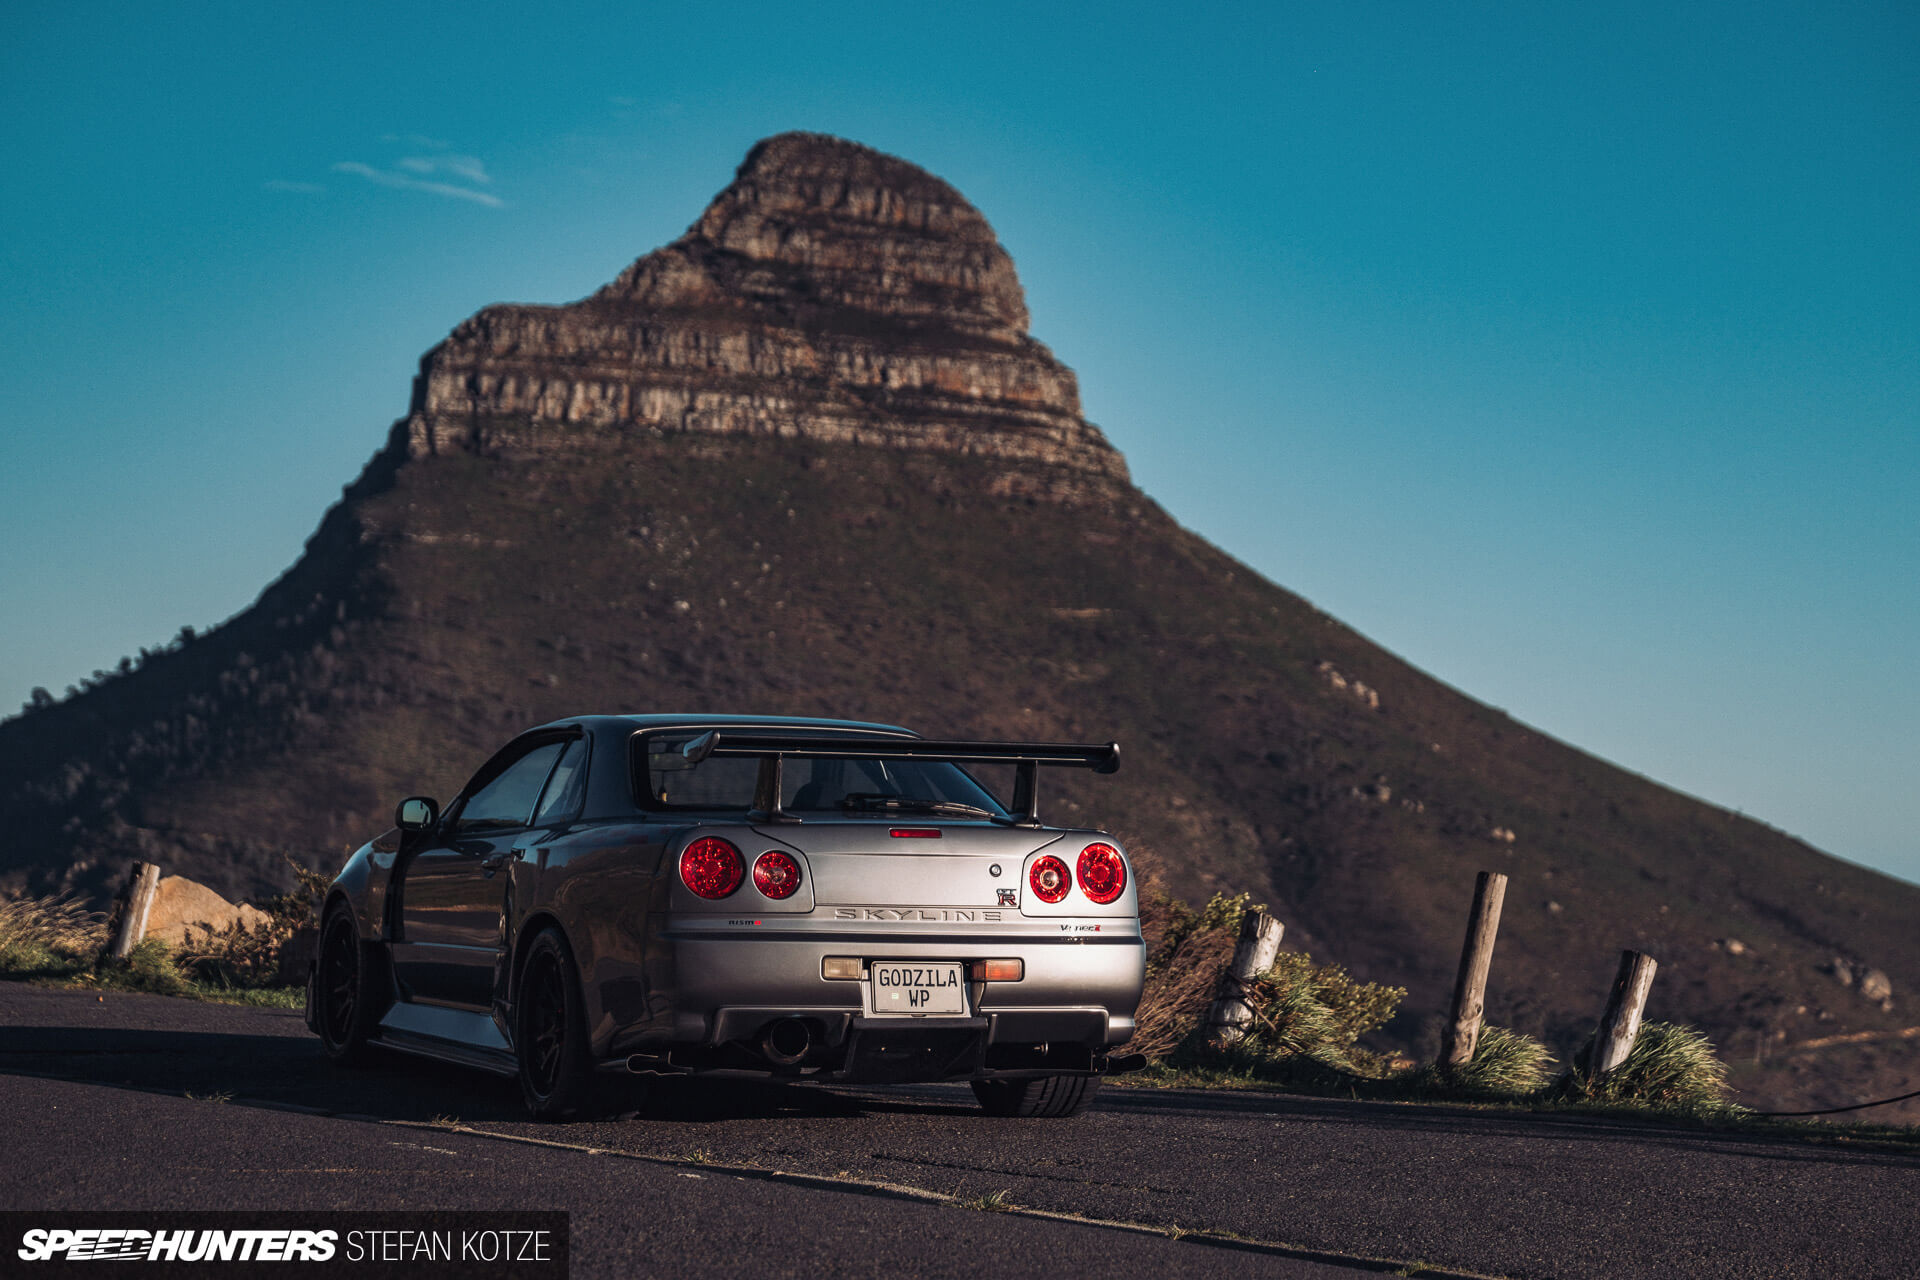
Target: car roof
(661, 720)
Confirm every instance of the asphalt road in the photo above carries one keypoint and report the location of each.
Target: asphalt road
(141, 1102)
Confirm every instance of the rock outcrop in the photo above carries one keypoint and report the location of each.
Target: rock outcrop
(185, 911)
(830, 294)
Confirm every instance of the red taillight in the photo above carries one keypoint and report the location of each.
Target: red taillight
(1103, 873)
(775, 874)
(1050, 879)
(712, 867)
(915, 833)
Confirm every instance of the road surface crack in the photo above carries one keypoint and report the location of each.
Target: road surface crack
(1023, 1173)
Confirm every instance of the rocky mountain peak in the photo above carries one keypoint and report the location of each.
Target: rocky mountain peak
(813, 219)
(831, 292)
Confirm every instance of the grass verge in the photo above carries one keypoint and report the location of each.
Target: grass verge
(55, 941)
(1308, 1018)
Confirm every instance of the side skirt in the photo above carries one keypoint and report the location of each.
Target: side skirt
(458, 1036)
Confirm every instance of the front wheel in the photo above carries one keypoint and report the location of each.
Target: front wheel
(550, 1025)
(344, 991)
(1040, 1096)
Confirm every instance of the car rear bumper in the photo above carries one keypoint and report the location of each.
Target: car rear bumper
(727, 990)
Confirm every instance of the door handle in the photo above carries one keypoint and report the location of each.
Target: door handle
(493, 862)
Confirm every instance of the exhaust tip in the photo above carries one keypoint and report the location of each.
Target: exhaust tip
(786, 1041)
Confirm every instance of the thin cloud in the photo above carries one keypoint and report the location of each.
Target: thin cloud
(469, 167)
(407, 182)
(295, 188)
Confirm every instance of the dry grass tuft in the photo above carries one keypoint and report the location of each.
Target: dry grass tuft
(1671, 1068)
(1506, 1065)
(48, 933)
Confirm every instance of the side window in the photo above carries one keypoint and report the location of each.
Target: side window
(507, 802)
(566, 788)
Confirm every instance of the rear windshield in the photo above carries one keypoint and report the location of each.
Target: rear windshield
(836, 787)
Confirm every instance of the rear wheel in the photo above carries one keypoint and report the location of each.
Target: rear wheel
(1041, 1096)
(344, 993)
(550, 1023)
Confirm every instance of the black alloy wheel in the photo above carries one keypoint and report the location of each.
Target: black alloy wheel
(1040, 1096)
(550, 1041)
(342, 990)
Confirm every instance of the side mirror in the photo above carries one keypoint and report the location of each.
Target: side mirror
(416, 814)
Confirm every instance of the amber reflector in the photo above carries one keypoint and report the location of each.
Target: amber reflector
(998, 970)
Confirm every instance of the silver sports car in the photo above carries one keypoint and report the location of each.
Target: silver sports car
(664, 895)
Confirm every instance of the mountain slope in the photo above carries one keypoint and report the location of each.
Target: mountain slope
(807, 459)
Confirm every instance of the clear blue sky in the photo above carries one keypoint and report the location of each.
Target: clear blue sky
(1572, 352)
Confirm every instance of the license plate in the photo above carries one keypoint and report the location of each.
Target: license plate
(910, 990)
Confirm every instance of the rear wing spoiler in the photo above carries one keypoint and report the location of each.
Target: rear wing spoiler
(772, 748)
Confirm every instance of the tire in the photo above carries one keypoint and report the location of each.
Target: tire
(345, 990)
(550, 1032)
(1041, 1096)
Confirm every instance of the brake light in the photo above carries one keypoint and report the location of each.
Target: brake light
(712, 867)
(1050, 879)
(775, 874)
(1103, 873)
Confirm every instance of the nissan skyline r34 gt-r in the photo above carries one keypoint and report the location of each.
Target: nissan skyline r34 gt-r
(668, 895)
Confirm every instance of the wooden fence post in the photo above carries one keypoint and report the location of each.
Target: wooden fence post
(1462, 1031)
(143, 881)
(1253, 955)
(1620, 1024)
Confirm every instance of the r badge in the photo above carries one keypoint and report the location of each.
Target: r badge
(1009, 898)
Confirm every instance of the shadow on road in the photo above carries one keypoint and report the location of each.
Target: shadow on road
(291, 1071)
(263, 1058)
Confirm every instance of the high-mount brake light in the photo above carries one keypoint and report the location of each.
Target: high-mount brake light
(1050, 879)
(712, 867)
(775, 874)
(1103, 873)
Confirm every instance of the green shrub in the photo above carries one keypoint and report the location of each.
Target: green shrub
(1353, 1008)
(1670, 1068)
(242, 959)
(150, 966)
(1307, 1021)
